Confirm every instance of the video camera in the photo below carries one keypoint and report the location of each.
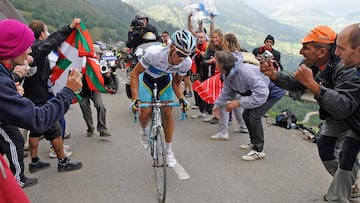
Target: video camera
(137, 26)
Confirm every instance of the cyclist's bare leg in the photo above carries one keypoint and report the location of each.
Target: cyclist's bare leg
(144, 117)
(168, 124)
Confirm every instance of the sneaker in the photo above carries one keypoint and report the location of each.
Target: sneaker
(66, 147)
(67, 135)
(28, 182)
(194, 107)
(171, 161)
(214, 120)
(188, 94)
(246, 146)
(241, 130)
(52, 153)
(253, 155)
(105, 134)
(198, 115)
(90, 132)
(208, 118)
(144, 140)
(220, 136)
(355, 191)
(38, 166)
(69, 165)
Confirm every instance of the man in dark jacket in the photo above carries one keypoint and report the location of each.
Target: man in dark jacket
(336, 89)
(37, 90)
(268, 45)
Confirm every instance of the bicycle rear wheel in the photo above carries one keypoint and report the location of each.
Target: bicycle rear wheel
(160, 163)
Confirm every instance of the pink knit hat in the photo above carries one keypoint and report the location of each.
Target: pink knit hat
(15, 38)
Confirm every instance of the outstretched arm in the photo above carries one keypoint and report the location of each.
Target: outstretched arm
(190, 27)
(212, 26)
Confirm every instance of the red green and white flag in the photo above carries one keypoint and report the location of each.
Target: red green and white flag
(77, 52)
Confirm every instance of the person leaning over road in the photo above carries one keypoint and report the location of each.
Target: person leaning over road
(12, 141)
(37, 90)
(268, 45)
(87, 95)
(165, 66)
(258, 95)
(16, 157)
(231, 44)
(15, 109)
(336, 90)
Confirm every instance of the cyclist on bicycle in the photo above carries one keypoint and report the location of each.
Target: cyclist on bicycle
(165, 66)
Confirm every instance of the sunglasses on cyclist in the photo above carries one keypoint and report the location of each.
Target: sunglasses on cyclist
(180, 54)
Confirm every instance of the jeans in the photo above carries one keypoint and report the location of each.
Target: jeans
(224, 119)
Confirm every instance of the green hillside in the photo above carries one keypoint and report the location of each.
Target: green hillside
(107, 20)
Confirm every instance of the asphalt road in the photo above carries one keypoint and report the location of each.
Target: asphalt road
(118, 169)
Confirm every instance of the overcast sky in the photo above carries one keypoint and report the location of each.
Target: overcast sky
(335, 6)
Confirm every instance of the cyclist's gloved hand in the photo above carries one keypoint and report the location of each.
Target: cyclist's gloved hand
(184, 104)
(135, 105)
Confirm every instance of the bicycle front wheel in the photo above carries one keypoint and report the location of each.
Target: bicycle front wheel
(160, 163)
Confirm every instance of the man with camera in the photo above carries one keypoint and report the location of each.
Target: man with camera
(268, 46)
(141, 31)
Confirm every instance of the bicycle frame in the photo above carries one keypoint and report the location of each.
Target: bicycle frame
(156, 138)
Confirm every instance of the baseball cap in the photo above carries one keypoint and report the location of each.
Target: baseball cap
(322, 34)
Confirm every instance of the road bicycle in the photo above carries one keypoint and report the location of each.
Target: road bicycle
(156, 138)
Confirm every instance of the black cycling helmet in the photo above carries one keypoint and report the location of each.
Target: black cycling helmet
(140, 15)
(184, 41)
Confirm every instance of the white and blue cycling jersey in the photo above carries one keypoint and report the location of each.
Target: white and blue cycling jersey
(158, 70)
(155, 61)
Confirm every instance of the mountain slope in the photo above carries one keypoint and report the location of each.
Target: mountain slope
(107, 20)
(236, 17)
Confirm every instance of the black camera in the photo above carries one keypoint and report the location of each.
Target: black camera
(137, 26)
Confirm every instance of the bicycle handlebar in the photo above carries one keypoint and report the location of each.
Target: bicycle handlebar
(183, 115)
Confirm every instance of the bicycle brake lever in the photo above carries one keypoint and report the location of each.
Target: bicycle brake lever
(136, 116)
(183, 116)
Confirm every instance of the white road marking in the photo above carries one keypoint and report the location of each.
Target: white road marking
(180, 171)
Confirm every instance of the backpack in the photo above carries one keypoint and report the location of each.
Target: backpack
(286, 119)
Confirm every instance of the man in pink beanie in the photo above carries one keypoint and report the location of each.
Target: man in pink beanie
(18, 111)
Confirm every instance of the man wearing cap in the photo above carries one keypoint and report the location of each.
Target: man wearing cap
(268, 45)
(37, 90)
(16, 110)
(332, 87)
(87, 95)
